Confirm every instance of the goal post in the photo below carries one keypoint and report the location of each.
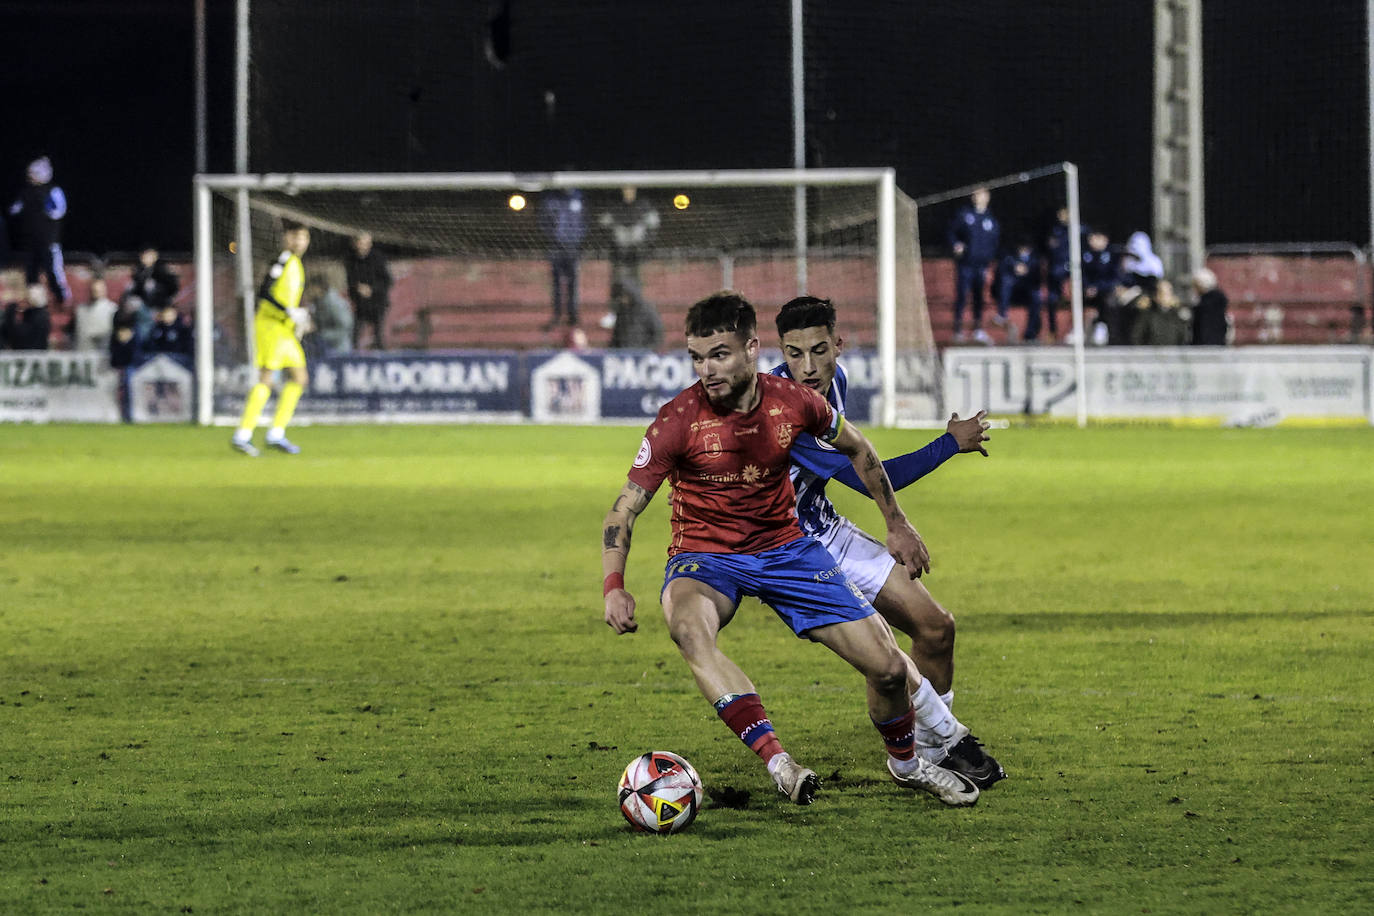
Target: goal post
(463, 247)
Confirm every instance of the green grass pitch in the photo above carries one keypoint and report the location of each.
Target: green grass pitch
(374, 678)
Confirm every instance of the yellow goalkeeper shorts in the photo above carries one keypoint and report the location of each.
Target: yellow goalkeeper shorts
(277, 345)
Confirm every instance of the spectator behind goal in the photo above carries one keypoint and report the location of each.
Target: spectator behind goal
(332, 321)
(26, 322)
(1209, 311)
(368, 277)
(153, 281)
(1157, 321)
(171, 334)
(93, 322)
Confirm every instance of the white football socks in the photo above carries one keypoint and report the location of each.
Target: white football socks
(936, 726)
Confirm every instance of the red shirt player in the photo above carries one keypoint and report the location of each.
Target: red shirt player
(723, 445)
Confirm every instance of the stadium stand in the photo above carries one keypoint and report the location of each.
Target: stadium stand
(504, 305)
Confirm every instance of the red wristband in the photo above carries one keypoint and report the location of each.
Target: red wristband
(613, 581)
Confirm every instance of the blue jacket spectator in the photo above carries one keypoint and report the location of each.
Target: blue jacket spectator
(171, 333)
(1058, 252)
(1101, 270)
(974, 236)
(41, 206)
(1101, 277)
(563, 217)
(1018, 282)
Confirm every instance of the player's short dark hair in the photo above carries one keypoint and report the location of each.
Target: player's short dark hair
(724, 312)
(806, 312)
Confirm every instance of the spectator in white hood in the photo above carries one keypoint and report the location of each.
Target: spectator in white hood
(1142, 265)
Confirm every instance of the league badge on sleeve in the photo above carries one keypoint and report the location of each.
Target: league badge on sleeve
(645, 453)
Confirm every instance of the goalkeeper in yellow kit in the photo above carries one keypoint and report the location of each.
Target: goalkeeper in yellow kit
(279, 320)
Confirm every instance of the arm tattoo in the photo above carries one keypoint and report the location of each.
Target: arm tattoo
(639, 497)
(610, 536)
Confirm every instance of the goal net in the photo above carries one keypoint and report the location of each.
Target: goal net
(472, 293)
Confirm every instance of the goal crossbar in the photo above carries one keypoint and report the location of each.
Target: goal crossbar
(542, 181)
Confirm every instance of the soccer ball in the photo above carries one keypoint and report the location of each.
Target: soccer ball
(660, 793)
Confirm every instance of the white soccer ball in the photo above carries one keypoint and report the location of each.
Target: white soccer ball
(660, 793)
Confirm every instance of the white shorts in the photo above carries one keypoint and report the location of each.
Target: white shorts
(864, 561)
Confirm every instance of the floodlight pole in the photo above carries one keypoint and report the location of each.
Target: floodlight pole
(799, 140)
(245, 225)
(201, 145)
(1369, 121)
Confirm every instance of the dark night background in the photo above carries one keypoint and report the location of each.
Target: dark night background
(947, 93)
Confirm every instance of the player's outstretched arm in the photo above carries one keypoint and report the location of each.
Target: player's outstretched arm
(970, 434)
(903, 542)
(961, 436)
(615, 553)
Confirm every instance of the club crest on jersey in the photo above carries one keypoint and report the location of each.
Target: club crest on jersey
(645, 453)
(711, 441)
(784, 434)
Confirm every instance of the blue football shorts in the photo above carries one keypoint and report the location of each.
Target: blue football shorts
(800, 581)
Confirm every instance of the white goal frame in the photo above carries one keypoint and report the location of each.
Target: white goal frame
(882, 180)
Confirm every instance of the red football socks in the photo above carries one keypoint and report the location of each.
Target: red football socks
(899, 734)
(746, 718)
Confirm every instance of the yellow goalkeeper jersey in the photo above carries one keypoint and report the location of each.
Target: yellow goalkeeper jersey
(282, 288)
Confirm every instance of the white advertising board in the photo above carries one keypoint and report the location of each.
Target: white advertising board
(1239, 386)
(41, 386)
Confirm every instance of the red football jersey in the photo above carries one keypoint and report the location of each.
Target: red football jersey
(729, 470)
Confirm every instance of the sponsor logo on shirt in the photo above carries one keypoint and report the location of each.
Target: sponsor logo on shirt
(750, 474)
